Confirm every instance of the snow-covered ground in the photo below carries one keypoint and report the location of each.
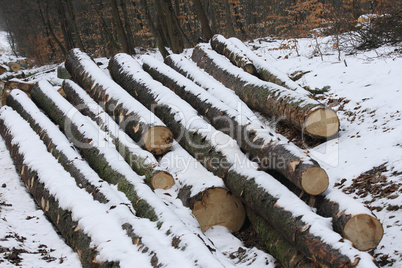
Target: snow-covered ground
(364, 87)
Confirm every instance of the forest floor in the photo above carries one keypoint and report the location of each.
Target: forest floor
(364, 160)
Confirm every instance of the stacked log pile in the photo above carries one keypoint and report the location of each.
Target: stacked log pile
(120, 139)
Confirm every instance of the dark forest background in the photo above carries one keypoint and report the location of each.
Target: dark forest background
(45, 30)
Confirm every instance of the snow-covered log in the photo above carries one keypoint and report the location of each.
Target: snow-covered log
(13, 84)
(103, 157)
(219, 153)
(141, 161)
(88, 227)
(275, 244)
(262, 144)
(235, 55)
(138, 122)
(297, 110)
(264, 70)
(204, 193)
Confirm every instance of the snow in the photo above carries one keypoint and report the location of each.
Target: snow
(370, 135)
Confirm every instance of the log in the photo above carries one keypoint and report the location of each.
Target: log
(13, 84)
(275, 244)
(264, 70)
(62, 72)
(102, 156)
(350, 218)
(68, 207)
(232, 53)
(299, 111)
(14, 66)
(221, 155)
(205, 194)
(141, 161)
(262, 144)
(138, 122)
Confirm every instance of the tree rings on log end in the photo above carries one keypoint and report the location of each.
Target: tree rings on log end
(314, 180)
(158, 140)
(250, 69)
(322, 123)
(364, 230)
(162, 180)
(219, 207)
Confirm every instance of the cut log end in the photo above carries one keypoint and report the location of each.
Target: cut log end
(162, 180)
(314, 181)
(219, 207)
(364, 230)
(250, 69)
(322, 123)
(158, 140)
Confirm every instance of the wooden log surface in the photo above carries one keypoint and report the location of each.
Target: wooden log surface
(219, 156)
(141, 161)
(104, 159)
(55, 191)
(298, 111)
(138, 122)
(262, 144)
(15, 84)
(265, 70)
(233, 53)
(275, 244)
(205, 194)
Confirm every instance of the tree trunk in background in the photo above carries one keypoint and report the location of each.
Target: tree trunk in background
(127, 27)
(51, 31)
(228, 17)
(238, 20)
(169, 25)
(154, 30)
(71, 13)
(207, 32)
(65, 27)
(49, 41)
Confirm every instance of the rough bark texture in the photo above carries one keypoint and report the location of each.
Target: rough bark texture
(300, 112)
(51, 145)
(61, 218)
(293, 229)
(364, 230)
(275, 244)
(137, 163)
(10, 85)
(92, 154)
(268, 153)
(234, 55)
(132, 122)
(214, 206)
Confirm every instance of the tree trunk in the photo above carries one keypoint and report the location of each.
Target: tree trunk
(58, 145)
(72, 122)
(360, 226)
(154, 30)
(10, 85)
(233, 54)
(127, 27)
(138, 122)
(228, 17)
(141, 161)
(122, 35)
(205, 147)
(275, 244)
(61, 218)
(71, 13)
(264, 70)
(205, 194)
(207, 32)
(301, 112)
(265, 149)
